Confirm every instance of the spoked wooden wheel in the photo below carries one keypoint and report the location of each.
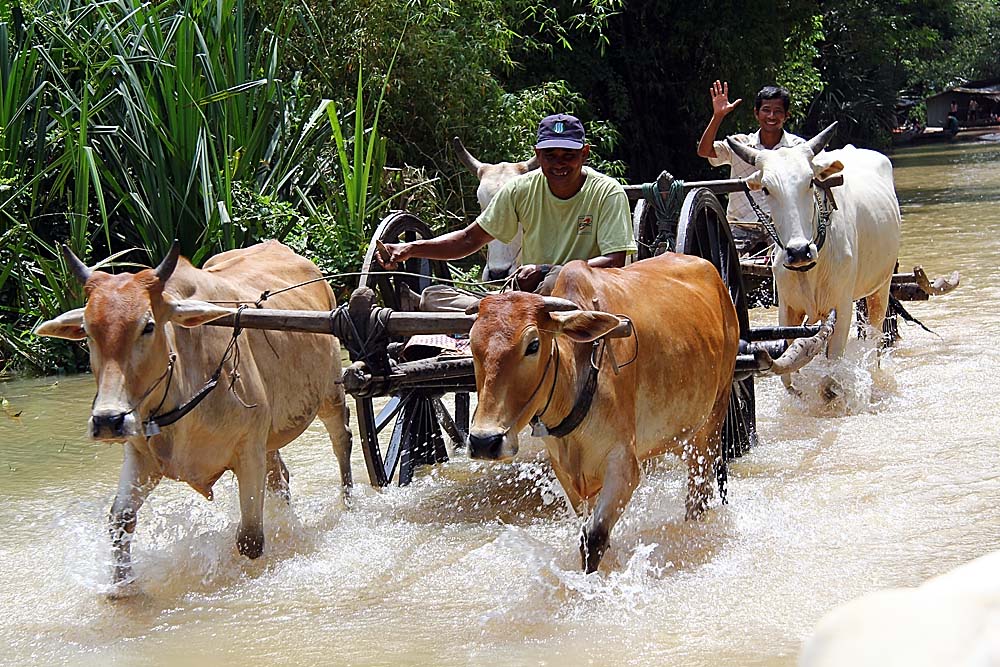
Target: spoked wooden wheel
(704, 231)
(644, 230)
(409, 429)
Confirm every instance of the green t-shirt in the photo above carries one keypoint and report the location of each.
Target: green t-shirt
(593, 222)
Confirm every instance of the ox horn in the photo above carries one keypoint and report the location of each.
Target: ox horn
(465, 157)
(801, 351)
(744, 152)
(79, 270)
(555, 303)
(819, 142)
(532, 164)
(169, 263)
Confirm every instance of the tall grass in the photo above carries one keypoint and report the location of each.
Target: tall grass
(126, 124)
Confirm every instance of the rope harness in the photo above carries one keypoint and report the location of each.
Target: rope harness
(822, 210)
(158, 420)
(584, 398)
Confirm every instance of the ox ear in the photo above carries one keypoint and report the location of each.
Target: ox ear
(192, 313)
(69, 325)
(754, 180)
(584, 326)
(824, 166)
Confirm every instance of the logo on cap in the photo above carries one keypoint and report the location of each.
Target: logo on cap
(561, 131)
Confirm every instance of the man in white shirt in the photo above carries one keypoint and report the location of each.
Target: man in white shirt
(771, 109)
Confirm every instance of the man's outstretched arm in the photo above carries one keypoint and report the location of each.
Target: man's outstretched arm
(453, 245)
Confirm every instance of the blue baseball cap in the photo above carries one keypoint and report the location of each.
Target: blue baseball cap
(561, 131)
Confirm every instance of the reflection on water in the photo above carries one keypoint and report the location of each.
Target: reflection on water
(477, 563)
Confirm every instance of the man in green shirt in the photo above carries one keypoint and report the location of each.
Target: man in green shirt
(567, 211)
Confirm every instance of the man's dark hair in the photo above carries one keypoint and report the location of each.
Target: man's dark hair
(772, 93)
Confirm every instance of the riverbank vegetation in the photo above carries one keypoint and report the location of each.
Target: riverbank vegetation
(126, 124)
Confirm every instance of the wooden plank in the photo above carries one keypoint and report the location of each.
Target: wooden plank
(398, 324)
(311, 321)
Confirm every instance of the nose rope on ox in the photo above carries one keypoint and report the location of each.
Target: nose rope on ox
(822, 210)
(156, 421)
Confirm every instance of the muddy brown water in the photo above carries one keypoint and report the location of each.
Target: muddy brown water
(476, 564)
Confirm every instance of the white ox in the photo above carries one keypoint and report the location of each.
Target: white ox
(502, 259)
(953, 620)
(149, 356)
(859, 255)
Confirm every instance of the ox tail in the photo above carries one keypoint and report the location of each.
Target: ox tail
(896, 308)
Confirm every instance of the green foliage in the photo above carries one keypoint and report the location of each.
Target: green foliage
(798, 73)
(146, 119)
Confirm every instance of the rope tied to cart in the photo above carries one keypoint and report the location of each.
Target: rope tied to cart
(665, 195)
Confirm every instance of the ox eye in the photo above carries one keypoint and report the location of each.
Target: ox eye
(532, 348)
(149, 328)
(766, 193)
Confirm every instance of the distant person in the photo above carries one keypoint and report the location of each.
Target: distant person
(973, 113)
(951, 126)
(953, 109)
(771, 109)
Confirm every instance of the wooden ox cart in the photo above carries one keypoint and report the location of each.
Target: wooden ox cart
(410, 386)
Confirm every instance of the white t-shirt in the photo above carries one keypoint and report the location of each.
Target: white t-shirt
(739, 208)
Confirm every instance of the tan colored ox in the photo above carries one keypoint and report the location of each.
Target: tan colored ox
(135, 323)
(532, 359)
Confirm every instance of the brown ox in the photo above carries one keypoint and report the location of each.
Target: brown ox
(134, 325)
(532, 360)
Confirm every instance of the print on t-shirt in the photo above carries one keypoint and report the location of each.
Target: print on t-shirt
(584, 224)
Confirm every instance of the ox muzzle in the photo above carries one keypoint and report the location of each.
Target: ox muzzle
(112, 425)
(800, 256)
(492, 445)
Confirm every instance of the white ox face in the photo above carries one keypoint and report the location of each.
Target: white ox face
(787, 177)
(123, 323)
(501, 258)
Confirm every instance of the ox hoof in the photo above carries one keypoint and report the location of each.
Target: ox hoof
(593, 544)
(831, 390)
(123, 590)
(250, 544)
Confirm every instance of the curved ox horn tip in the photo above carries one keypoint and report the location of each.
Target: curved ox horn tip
(465, 157)
(553, 303)
(169, 263)
(820, 141)
(79, 270)
(744, 152)
(473, 309)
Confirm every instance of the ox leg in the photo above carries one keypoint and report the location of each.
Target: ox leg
(335, 416)
(621, 476)
(877, 304)
(566, 482)
(841, 330)
(250, 470)
(139, 476)
(789, 317)
(830, 388)
(277, 476)
(702, 459)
